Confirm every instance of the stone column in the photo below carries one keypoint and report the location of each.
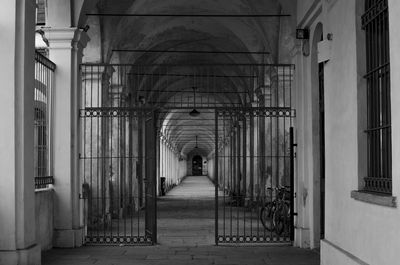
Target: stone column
(17, 197)
(164, 156)
(169, 163)
(161, 156)
(158, 163)
(66, 45)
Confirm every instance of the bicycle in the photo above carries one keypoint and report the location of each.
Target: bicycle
(275, 215)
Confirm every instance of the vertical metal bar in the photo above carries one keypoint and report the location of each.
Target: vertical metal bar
(292, 145)
(139, 173)
(153, 166)
(251, 165)
(87, 216)
(216, 179)
(50, 121)
(244, 169)
(271, 145)
(238, 173)
(224, 174)
(232, 180)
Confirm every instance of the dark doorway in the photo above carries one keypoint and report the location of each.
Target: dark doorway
(197, 166)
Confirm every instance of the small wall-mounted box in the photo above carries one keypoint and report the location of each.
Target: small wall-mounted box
(324, 51)
(302, 34)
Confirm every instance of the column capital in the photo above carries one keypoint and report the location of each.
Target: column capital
(66, 38)
(80, 40)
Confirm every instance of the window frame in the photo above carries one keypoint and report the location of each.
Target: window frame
(375, 23)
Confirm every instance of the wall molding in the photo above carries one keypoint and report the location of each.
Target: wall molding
(311, 15)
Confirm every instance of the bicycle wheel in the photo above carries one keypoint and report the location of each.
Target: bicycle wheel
(266, 216)
(280, 218)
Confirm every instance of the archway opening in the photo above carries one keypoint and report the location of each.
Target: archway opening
(197, 166)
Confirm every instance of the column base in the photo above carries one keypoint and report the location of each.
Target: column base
(68, 238)
(28, 256)
(302, 237)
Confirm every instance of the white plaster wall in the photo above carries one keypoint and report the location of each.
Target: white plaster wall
(356, 232)
(394, 20)
(44, 212)
(303, 6)
(210, 168)
(182, 171)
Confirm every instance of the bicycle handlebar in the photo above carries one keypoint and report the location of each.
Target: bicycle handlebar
(286, 188)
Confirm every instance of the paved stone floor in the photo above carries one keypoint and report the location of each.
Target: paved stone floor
(185, 236)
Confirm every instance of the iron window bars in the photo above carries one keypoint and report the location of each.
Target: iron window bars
(376, 26)
(44, 77)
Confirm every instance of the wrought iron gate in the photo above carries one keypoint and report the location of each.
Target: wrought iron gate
(118, 163)
(254, 195)
(253, 169)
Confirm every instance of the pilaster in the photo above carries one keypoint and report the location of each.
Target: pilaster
(66, 46)
(17, 197)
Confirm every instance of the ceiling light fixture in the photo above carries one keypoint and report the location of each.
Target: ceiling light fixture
(194, 112)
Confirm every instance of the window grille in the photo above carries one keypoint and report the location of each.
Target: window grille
(40, 12)
(376, 26)
(44, 76)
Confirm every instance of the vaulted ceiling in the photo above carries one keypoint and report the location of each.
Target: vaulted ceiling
(254, 36)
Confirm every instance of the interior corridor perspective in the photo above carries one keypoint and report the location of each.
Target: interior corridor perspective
(199, 132)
